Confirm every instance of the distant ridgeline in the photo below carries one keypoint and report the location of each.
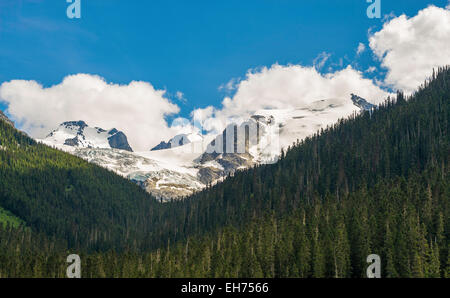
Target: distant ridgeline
(375, 183)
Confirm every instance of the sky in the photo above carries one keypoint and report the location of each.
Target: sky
(150, 62)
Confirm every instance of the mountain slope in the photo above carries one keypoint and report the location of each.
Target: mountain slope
(64, 196)
(6, 119)
(161, 174)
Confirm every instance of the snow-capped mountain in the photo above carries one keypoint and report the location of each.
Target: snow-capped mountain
(179, 140)
(362, 103)
(79, 134)
(240, 146)
(189, 161)
(273, 129)
(166, 174)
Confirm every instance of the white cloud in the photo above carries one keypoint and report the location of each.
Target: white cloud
(179, 95)
(201, 115)
(361, 48)
(291, 86)
(230, 86)
(138, 108)
(321, 59)
(411, 47)
(371, 69)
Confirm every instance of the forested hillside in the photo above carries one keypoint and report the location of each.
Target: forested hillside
(65, 197)
(377, 182)
(330, 238)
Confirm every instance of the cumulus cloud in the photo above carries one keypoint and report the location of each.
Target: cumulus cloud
(409, 48)
(361, 48)
(291, 86)
(138, 108)
(201, 115)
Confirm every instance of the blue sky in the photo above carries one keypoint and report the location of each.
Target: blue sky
(188, 46)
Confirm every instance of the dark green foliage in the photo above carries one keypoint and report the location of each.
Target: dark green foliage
(271, 247)
(63, 196)
(8, 219)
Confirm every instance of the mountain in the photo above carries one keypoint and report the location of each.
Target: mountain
(6, 119)
(178, 140)
(79, 134)
(238, 147)
(166, 175)
(189, 162)
(362, 103)
(163, 177)
(273, 130)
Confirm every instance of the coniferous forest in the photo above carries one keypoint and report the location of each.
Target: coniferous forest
(375, 183)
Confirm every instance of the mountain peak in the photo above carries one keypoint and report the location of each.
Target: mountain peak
(79, 123)
(79, 134)
(178, 140)
(362, 103)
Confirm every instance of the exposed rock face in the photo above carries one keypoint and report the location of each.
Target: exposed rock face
(71, 142)
(161, 146)
(80, 124)
(214, 166)
(119, 141)
(238, 147)
(208, 174)
(362, 103)
(6, 119)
